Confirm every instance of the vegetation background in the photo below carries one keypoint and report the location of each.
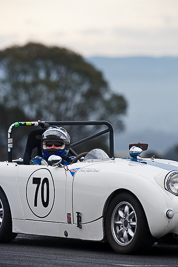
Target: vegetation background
(39, 82)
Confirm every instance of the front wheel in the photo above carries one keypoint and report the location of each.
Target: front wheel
(6, 234)
(126, 225)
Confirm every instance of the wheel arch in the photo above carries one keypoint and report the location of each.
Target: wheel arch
(4, 193)
(113, 195)
(7, 235)
(2, 190)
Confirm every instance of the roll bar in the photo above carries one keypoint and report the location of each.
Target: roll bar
(46, 124)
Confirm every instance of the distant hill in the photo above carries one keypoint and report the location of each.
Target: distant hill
(150, 86)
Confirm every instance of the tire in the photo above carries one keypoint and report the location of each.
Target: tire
(6, 234)
(126, 226)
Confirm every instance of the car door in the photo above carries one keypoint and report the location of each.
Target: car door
(42, 192)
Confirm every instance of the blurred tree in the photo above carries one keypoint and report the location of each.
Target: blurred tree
(172, 153)
(7, 117)
(52, 83)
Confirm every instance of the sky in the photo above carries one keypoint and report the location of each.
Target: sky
(93, 27)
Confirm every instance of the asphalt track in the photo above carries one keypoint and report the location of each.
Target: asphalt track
(36, 251)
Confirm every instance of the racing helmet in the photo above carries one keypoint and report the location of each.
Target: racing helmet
(58, 137)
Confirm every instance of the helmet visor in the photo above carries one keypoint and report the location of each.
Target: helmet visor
(57, 144)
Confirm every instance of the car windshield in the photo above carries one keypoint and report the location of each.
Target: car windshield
(96, 154)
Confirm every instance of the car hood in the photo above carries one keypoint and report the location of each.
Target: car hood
(145, 167)
(164, 164)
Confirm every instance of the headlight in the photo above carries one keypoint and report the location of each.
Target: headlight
(171, 182)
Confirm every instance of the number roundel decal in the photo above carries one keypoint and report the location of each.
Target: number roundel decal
(40, 192)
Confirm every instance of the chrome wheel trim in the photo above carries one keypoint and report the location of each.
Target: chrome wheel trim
(1, 213)
(124, 223)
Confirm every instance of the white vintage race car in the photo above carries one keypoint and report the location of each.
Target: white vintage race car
(129, 202)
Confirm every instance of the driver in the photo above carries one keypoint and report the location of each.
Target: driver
(55, 141)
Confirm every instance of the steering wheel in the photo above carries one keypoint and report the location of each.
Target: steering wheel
(79, 156)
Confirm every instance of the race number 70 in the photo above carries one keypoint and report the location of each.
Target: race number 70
(40, 192)
(42, 189)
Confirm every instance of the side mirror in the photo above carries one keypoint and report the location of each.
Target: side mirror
(54, 160)
(135, 151)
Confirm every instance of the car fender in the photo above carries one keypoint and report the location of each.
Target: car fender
(8, 183)
(92, 189)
